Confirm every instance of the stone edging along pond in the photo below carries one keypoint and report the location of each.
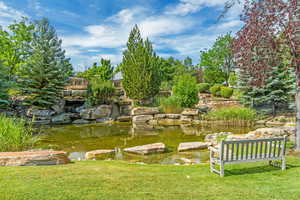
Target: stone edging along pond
(51, 157)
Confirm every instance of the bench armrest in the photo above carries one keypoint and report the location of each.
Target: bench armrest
(213, 149)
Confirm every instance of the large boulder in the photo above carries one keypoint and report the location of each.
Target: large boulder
(81, 121)
(28, 158)
(186, 146)
(124, 119)
(144, 111)
(272, 132)
(98, 112)
(40, 114)
(190, 112)
(102, 153)
(217, 136)
(59, 106)
(147, 149)
(142, 118)
(64, 118)
(173, 116)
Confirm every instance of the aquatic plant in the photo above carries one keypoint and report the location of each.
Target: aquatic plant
(16, 134)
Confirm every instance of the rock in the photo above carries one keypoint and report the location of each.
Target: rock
(115, 111)
(64, 118)
(124, 119)
(271, 132)
(153, 122)
(173, 116)
(40, 114)
(237, 137)
(144, 111)
(79, 93)
(79, 109)
(190, 112)
(59, 107)
(81, 121)
(28, 158)
(186, 146)
(98, 112)
(261, 122)
(142, 118)
(159, 116)
(214, 137)
(147, 149)
(105, 120)
(204, 109)
(169, 122)
(186, 119)
(42, 122)
(99, 153)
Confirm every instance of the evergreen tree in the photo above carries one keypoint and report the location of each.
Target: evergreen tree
(140, 68)
(4, 97)
(104, 71)
(47, 68)
(279, 86)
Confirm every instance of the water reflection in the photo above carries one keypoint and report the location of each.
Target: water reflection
(78, 139)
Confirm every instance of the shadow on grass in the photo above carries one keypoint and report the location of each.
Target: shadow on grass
(256, 170)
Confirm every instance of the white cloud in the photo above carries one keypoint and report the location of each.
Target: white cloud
(164, 25)
(191, 6)
(9, 15)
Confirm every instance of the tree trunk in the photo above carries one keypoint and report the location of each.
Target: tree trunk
(296, 20)
(298, 121)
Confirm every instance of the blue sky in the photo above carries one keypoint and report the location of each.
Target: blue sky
(91, 29)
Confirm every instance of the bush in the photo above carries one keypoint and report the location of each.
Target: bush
(215, 90)
(226, 92)
(15, 135)
(166, 86)
(170, 105)
(100, 91)
(233, 114)
(185, 90)
(203, 87)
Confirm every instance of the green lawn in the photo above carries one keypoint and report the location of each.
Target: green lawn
(89, 180)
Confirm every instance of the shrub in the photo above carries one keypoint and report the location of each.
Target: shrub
(215, 90)
(166, 85)
(203, 87)
(100, 91)
(185, 90)
(226, 92)
(233, 113)
(15, 135)
(170, 105)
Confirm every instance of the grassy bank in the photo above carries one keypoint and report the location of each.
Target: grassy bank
(115, 180)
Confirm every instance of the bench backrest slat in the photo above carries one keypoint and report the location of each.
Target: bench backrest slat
(237, 150)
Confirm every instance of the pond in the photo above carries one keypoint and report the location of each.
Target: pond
(78, 139)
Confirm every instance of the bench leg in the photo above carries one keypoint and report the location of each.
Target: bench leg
(283, 164)
(222, 169)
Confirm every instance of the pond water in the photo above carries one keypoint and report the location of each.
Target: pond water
(78, 139)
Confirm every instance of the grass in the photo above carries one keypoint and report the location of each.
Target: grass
(234, 115)
(115, 180)
(170, 105)
(15, 134)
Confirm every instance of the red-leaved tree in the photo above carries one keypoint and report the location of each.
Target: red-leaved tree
(268, 25)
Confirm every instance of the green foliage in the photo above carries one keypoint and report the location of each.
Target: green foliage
(170, 105)
(218, 61)
(15, 135)
(47, 70)
(140, 68)
(226, 92)
(166, 85)
(15, 45)
(103, 71)
(4, 86)
(233, 79)
(233, 113)
(203, 87)
(185, 90)
(215, 90)
(100, 91)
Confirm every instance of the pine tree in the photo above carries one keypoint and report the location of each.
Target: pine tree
(47, 69)
(4, 97)
(279, 87)
(140, 68)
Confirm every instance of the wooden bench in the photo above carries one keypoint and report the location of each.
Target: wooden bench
(240, 151)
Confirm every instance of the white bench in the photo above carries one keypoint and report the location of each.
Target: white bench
(241, 151)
